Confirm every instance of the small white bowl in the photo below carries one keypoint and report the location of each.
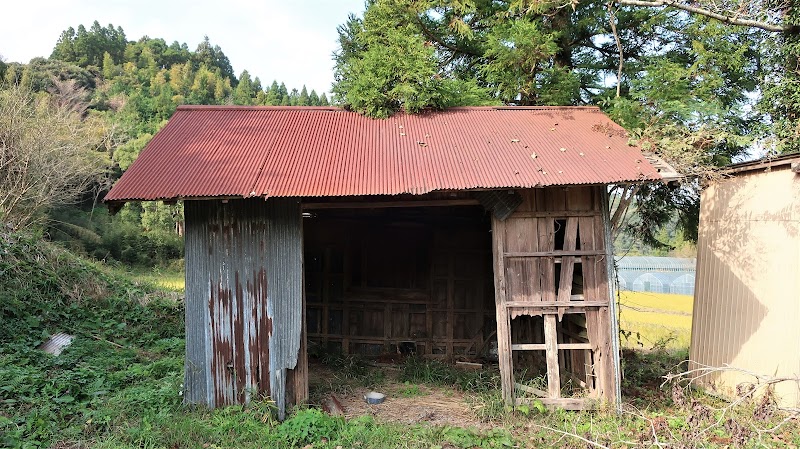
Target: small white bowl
(373, 397)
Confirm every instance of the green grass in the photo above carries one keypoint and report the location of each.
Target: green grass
(655, 320)
(119, 384)
(172, 280)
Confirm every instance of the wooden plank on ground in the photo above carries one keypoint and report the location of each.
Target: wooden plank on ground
(576, 404)
(527, 389)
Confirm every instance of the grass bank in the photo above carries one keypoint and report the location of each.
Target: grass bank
(119, 384)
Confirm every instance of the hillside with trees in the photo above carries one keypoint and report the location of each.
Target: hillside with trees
(107, 96)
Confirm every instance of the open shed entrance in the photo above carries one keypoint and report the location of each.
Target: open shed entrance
(399, 280)
(448, 279)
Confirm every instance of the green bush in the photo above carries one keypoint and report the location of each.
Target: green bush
(309, 426)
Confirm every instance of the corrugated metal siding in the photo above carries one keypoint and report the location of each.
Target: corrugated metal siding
(747, 304)
(243, 299)
(285, 292)
(296, 152)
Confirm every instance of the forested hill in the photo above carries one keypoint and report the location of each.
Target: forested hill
(123, 91)
(137, 84)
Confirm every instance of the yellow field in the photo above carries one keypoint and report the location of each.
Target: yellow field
(655, 319)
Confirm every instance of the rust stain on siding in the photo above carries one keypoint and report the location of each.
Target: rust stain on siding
(249, 257)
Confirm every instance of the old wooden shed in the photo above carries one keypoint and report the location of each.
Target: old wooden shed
(443, 231)
(747, 305)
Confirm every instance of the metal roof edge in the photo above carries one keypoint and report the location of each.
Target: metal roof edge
(215, 107)
(762, 163)
(203, 107)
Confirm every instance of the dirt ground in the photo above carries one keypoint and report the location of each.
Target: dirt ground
(405, 403)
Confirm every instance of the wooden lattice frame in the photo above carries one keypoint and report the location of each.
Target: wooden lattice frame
(525, 257)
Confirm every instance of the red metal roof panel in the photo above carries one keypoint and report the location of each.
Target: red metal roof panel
(230, 151)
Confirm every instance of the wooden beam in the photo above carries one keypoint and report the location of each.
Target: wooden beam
(388, 204)
(551, 355)
(575, 253)
(557, 214)
(543, 347)
(549, 304)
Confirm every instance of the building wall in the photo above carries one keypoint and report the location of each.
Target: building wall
(553, 302)
(244, 312)
(747, 305)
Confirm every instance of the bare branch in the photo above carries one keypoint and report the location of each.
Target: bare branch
(612, 19)
(725, 17)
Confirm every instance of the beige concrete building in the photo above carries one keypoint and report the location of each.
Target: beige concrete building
(747, 293)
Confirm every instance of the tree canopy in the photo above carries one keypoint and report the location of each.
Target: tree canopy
(698, 83)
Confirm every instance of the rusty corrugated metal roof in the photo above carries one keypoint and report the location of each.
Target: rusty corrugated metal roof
(230, 151)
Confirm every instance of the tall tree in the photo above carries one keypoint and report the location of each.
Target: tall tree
(213, 58)
(679, 76)
(245, 91)
(385, 64)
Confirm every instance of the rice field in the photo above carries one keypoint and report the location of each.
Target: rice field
(650, 320)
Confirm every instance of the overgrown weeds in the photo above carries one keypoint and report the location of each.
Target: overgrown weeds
(119, 384)
(435, 372)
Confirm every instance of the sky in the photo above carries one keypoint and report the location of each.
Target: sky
(287, 41)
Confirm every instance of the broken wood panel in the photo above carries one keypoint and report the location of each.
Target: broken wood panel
(599, 329)
(588, 263)
(546, 228)
(568, 263)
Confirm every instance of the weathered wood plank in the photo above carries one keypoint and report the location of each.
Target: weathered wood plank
(388, 204)
(568, 263)
(554, 253)
(574, 305)
(543, 347)
(546, 264)
(587, 235)
(556, 214)
(501, 313)
(579, 198)
(527, 389)
(551, 355)
(575, 404)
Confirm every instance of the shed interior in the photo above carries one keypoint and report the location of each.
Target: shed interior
(428, 276)
(399, 279)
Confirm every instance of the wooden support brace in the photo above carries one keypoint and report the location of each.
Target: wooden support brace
(543, 347)
(551, 354)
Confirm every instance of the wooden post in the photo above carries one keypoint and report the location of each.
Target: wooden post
(503, 323)
(551, 353)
